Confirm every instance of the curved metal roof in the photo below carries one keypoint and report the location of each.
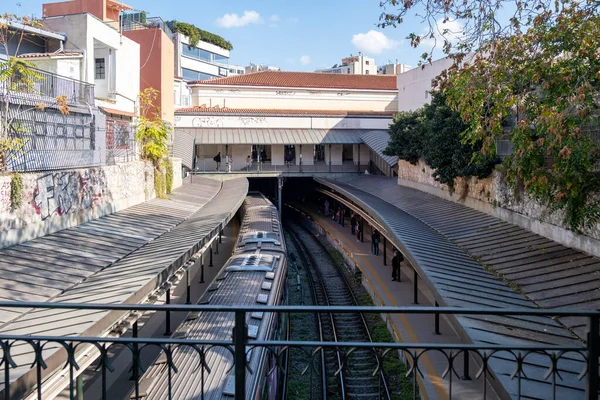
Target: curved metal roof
(162, 235)
(378, 141)
(273, 136)
(425, 228)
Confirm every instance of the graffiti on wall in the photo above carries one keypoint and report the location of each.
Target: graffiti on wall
(65, 192)
(5, 202)
(207, 122)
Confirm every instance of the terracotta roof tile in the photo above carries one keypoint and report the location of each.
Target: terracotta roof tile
(306, 80)
(225, 110)
(61, 54)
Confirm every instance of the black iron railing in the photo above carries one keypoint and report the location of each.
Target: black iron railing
(481, 355)
(46, 87)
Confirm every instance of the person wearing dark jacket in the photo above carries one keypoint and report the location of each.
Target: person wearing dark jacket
(375, 238)
(218, 160)
(396, 260)
(353, 224)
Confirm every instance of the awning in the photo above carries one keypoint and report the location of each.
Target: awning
(273, 136)
(118, 112)
(378, 141)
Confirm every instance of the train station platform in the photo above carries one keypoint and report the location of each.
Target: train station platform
(120, 258)
(470, 259)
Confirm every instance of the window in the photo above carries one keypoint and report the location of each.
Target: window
(190, 51)
(367, 72)
(221, 59)
(100, 68)
(205, 55)
(367, 62)
(190, 75)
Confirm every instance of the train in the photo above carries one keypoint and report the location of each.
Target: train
(254, 275)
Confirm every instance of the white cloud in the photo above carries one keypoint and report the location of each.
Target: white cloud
(452, 30)
(236, 21)
(373, 42)
(304, 60)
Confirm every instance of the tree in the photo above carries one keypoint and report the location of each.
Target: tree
(539, 67)
(433, 134)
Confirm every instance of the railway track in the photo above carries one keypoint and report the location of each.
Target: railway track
(350, 378)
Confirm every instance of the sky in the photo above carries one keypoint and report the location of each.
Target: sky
(293, 35)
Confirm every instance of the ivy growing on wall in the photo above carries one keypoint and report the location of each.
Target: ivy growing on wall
(433, 134)
(16, 191)
(196, 34)
(169, 175)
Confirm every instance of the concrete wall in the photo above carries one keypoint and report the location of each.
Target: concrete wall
(295, 98)
(493, 196)
(69, 67)
(364, 154)
(336, 154)
(277, 154)
(308, 154)
(156, 69)
(239, 153)
(177, 172)
(61, 199)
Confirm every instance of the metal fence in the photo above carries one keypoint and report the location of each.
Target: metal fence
(47, 86)
(521, 356)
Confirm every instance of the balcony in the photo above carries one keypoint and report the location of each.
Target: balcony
(46, 87)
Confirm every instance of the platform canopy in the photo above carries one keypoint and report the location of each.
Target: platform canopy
(378, 141)
(274, 136)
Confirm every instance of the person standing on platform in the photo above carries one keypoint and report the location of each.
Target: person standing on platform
(396, 260)
(326, 207)
(357, 232)
(248, 163)
(353, 224)
(218, 160)
(376, 238)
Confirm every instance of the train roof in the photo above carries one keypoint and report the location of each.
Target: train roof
(260, 227)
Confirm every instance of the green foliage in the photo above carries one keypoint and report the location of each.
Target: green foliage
(433, 134)
(160, 184)
(169, 175)
(547, 80)
(152, 132)
(16, 191)
(196, 34)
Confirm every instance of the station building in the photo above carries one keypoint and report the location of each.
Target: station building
(289, 122)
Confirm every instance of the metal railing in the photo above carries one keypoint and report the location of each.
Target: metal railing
(47, 86)
(208, 165)
(149, 23)
(549, 357)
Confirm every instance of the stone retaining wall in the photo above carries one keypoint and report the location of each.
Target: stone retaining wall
(56, 200)
(493, 196)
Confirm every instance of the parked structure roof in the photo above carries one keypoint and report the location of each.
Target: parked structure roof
(460, 252)
(274, 136)
(306, 80)
(120, 258)
(51, 55)
(378, 141)
(271, 111)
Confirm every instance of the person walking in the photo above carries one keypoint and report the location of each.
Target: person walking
(248, 163)
(396, 260)
(217, 159)
(353, 224)
(376, 239)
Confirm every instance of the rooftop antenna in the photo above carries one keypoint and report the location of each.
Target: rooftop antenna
(19, 8)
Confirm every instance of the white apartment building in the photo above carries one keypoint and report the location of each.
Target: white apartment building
(414, 85)
(97, 53)
(201, 62)
(183, 93)
(393, 69)
(236, 70)
(260, 67)
(353, 65)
